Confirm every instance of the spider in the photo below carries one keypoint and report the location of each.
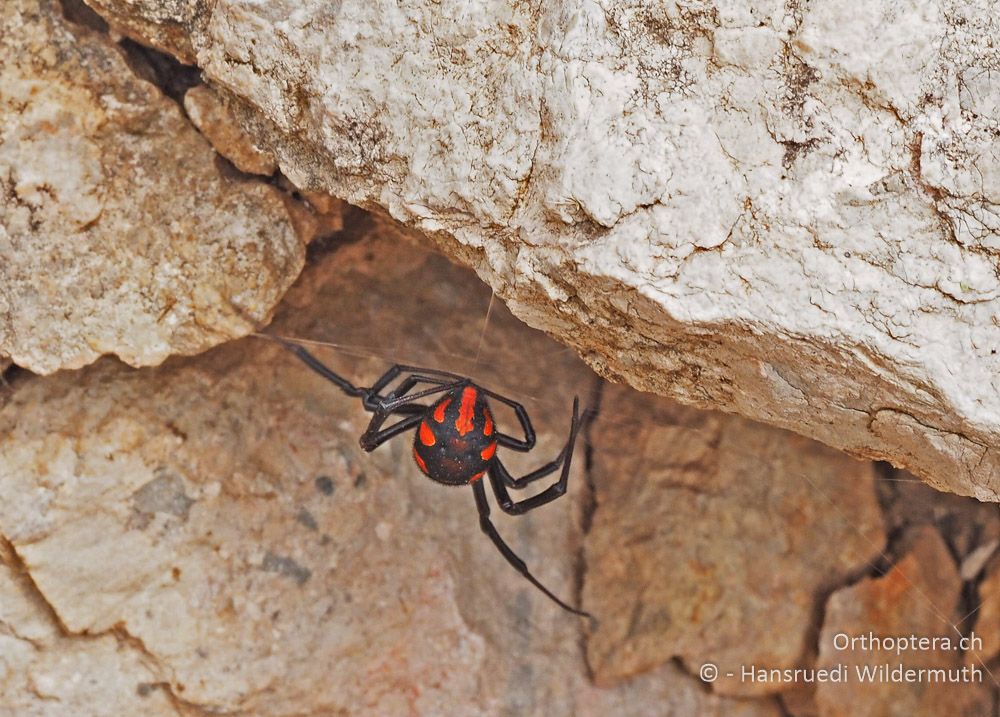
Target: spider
(456, 440)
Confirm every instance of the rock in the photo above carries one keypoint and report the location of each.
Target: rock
(918, 597)
(46, 673)
(785, 210)
(165, 24)
(218, 515)
(666, 691)
(217, 123)
(986, 625)
(704, 524)
(119, 234)
(316, 216)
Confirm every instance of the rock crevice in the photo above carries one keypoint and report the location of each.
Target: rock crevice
(776, 187)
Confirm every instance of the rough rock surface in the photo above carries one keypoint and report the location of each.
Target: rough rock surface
(118, 234)
(919, 596)
(789, 210)
(715, 521)
(218, 517)
(214, 120)
(987, 623)
(46, 673)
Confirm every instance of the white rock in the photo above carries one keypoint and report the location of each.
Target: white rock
(118, 234)
(788, 211)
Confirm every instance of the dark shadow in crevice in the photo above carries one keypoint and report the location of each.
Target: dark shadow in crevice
(161, 69)
(592, 412)
(78, 13)
(357, 223)
(10, 378)
(885, 489)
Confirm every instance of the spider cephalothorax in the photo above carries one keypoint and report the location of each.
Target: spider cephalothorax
(456, 439)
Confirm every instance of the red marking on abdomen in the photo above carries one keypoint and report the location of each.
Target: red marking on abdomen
(488, 452)
(488, 426)
(439, 411)
(426, 434)
(419, 460)
(476, 477)
(466, 412)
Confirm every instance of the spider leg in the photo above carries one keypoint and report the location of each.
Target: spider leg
(370, 439)
(397, 402)
(316, 365)
(419, 374)
(377, 438)
(373, 400)
(392, 402)
(509, 555)
(369, 396)
(397, 369)
(500, 478)
(500, 470)
(507, 441)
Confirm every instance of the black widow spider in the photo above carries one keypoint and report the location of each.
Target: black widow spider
(456, 441)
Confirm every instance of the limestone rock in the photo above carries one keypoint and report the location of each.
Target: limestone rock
(987, 623)
(118, 233)
(704, 524)
(918, 597)
(315, 215)
(217, 123)
(218, 511)
(44, 673)
(790, 211)
(165, 24)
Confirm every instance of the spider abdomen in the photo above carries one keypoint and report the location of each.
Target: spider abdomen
(456, 439)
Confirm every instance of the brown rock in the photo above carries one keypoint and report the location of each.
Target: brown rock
(45, 673)
(315, 215)
(917, 598)
(986, 625)
(219, 512)
(119, 234)
(666, 691)
(165, 24)
(219, 126)
(714, 538)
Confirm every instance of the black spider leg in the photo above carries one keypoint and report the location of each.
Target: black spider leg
(373, 401)
(373, 437)
(528, 442)
(316, 365)
(501, 479)
(369, 396)
(509, 555)
(382, 407)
